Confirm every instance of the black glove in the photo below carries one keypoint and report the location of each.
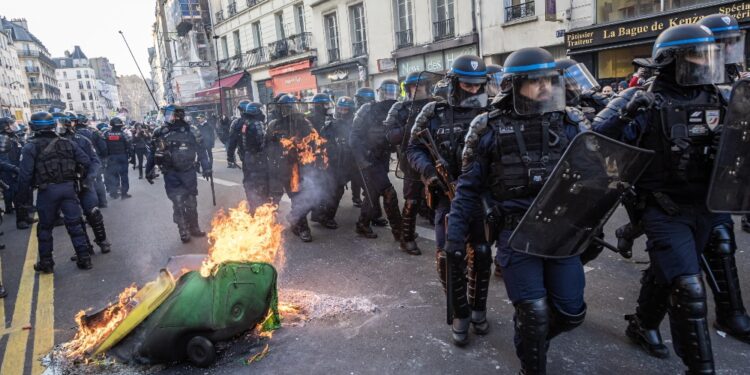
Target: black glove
(207, 174)
(431, 179)
(641, 100)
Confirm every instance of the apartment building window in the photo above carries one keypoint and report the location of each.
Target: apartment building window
(404, 31)
(86, 73)
(65, 75)
(83, 96)
(515, 9)
(84, 106)
(67, 85)
(70, 97)
(299, 17)
(237, 43)
(359, 34)
(88, 85)
(257, 36)
(332, 36)
(280, 34)
(224, 46)
(80, 85)
(443, 25)
(78, 74)
(91, 96)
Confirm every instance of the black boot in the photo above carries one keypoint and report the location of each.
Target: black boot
(408, 228)
(532, 329)
(96, 221)
(459, 301)
(379, 222)
(191, 216)
(390, 206)
(302, 230)
(45, 265)
(731, 316)
(195, 229)
(83, 260)
(689, 325)
(643, 326)
(479, 270)
(184, 233)
(21, 216)
(363, 228)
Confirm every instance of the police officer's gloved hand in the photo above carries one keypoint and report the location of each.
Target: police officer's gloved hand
(207, 174)
(455, 250)
(431, 179)
(641, 100)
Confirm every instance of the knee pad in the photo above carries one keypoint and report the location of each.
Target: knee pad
(191, 202)
(482, 252)
(94, 215)
(563, 322)
(533, 318)
(74, 226)
(722, 242)
(688, 297)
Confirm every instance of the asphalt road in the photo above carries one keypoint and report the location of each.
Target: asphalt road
(374, 309)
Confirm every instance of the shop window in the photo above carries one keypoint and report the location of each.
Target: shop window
(615, 10)
(618, 63)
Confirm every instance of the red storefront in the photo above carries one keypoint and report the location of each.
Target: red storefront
(294, 78)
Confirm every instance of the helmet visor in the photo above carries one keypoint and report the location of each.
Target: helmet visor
(538, 92)
(700, 65)
(420, 87)
(168, 115)
(578, 79)
(286, 109)
(388, 91)
(494, 84)
(734, 49)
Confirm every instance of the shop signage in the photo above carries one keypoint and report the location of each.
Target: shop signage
(338, 75)
(386, 65)
(650, 27)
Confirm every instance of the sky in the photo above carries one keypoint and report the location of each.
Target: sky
(91, 24)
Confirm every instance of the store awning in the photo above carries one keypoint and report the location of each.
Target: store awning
(224, 83)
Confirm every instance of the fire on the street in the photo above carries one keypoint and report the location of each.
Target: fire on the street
(309, 149)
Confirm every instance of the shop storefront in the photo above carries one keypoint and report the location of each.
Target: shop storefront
(609, 49)
(295, 79)
(340, 79)
(233, 88)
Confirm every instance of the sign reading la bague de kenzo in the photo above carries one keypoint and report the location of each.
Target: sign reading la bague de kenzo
(650, 27)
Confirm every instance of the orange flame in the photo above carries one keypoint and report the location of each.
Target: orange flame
(294, 183)
(238, 236)
(93, 331)
(310, 149)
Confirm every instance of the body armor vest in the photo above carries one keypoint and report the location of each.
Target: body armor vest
(116, 142)
(178, 148)
(526, 151)
(377, 142)
(55, 161)
(252, 136)
(684, 140)
(450, 134)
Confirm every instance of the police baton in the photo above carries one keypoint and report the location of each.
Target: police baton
(213, 191)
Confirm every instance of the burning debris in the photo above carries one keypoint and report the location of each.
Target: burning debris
(310, 149)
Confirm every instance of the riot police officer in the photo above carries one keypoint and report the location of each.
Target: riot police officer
(234, 142)
(445, 122)
(398, 123)
(289, 173)
(336, 132)
(118, 149)
(141, 140)
(10, 153)
(362, 96)
(86, 193)
(95, 136)
(494, 80)
(319, 110)
(675, 218)
(371, 152)
(175, 147)
(251, 142)
(51, 164)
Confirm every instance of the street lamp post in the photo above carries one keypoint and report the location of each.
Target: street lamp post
(218, 76)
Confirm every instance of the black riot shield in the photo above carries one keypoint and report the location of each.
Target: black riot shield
(729, 191)
(579, 197)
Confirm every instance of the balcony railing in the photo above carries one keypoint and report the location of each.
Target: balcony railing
(444, 29)
(35, 85)
(359, 48)
(289, 46)
(256, 56)
(523, 10)
(47, 102)
(404, 38)
(220, 16)
(252, 3)
(32, 69)
(333, 54)
(232, 8)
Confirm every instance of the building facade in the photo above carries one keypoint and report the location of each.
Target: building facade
(37, 64)
(14, 96)
(618, 31)
(77, 80)
(104, 70)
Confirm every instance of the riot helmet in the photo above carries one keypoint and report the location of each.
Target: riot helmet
(170, 113)
(344, 108)
(693, 53)
(728, 35)
(250, 109)
(494, 79)
(466, 82)
(279, 96)
(537, 84)
(321, 105)
(419, 85)
(42, 121)
(578, 80)
(6, 124)
(116, 122)
(388, 90)
(288, 105)
(82, 120)
(102, 126)
(363, 96)
(241, 105)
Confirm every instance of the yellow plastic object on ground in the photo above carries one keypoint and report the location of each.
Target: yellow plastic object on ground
(148, 299)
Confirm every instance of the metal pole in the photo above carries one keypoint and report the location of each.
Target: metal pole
(218, 77)
(139, 70)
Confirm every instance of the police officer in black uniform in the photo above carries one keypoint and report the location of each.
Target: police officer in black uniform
(118, 149)
(141, 140)
(175, 148)
(509, 154)
(398, 123)
(251, 142)
(320, 110)
(674, 188)
(336, 132)
(362, 96)
(234, 138)
(371, 152)
(53, 164)
(447, 121)
(10, 153)
(95, 136)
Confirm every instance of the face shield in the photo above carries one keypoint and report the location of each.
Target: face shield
(344, 112)
(421, 87)
(494, 84)
(388, 91)
(535, 93)
(734, 49)
(468, 94)
(700, 65)
(579, 80)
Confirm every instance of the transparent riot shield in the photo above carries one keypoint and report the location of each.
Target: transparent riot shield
(579, 197)
(729, 191)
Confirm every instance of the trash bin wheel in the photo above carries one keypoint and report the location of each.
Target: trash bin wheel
(200, 351)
